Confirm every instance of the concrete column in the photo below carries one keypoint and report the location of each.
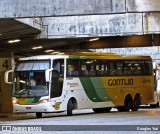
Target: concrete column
(5, 89)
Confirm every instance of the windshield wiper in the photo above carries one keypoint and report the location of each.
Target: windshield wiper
(28, 92)
(21, 92)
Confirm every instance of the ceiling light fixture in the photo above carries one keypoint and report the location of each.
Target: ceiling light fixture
(94, 39)
(14, 41)
(55, 52)
(38, 47)
(48, 51)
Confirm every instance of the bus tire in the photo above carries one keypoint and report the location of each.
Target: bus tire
(107, 109)
(135, 104)
(157, 104)
(39, 115)
(127, 105)
(154, 105)
(120, 109)
(97, 110)
(69, 108)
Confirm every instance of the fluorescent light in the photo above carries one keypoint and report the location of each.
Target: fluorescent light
(55, 52)
(47, 51)
(94, 39)
(14, 41)
(38, 47)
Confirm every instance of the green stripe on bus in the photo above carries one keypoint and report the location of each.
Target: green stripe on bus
(33, 100)
(79, 57)
(94, 89)
(90, 90)
(100, 89)
(28, 101)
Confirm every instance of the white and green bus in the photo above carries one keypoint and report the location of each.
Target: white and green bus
(82, 80)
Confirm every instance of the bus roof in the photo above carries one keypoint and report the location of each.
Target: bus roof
(91, 54)
(85, 55)
(100, 55)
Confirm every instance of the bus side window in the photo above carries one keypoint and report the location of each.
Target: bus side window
(113, 71)
(138, 69)
(59, 66)
(91, 71)
(126, 67)
(69, 70)
(84, 72)
(148, 68)
(101, 67)
(119, 69)
(88, 68)
(72, 68)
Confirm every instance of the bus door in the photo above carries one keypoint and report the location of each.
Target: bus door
(57, 78)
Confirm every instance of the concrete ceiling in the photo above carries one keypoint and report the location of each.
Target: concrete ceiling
(10, 29)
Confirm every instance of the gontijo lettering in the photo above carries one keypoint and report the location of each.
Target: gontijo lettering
(120, 82)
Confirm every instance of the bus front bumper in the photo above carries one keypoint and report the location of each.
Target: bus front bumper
(44, 108)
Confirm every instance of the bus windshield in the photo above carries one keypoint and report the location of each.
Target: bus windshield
(29, 79)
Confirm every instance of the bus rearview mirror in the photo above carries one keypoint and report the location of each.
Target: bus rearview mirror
(47, 75)
(6, 76)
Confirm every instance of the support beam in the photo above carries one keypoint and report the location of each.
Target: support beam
(126, 41)
(33, 22)
(103, 25)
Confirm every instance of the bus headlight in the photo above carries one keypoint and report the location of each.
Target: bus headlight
(44, 101)
(14, 101)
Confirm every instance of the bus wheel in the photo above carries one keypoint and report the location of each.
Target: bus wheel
(157, 104)
(127, 103)
(154, 105)
(39, 115)
(120, 109)
(135, 104)
(98, 110)
(69, 108)
(108, 109)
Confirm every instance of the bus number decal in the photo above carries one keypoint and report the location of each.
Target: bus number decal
(146, 80)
